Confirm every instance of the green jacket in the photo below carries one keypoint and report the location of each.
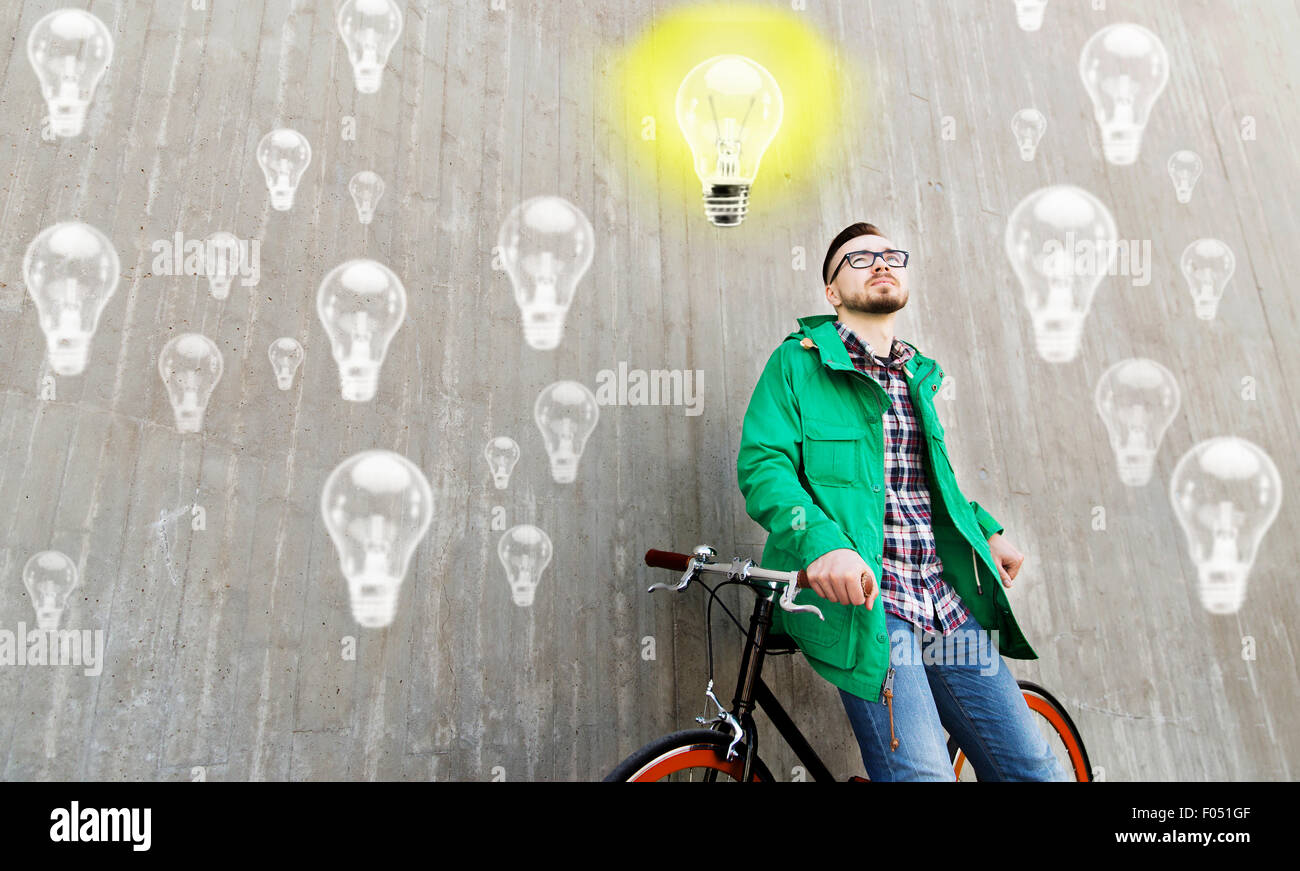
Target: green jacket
(811, 468)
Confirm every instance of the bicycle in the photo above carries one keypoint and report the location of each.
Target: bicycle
(729, 746)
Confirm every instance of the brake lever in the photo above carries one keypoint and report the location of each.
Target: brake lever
(787, 599)
(691, 568)
(737, 730)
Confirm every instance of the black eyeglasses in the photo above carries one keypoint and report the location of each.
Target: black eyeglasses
(866, 259)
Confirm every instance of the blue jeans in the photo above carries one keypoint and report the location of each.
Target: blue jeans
(959, 683)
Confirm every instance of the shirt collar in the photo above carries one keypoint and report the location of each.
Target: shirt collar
(859, 349)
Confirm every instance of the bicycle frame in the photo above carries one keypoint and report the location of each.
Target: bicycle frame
(751, 691)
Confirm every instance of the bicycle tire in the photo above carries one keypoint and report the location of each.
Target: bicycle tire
(1051, 712)
(701, 751)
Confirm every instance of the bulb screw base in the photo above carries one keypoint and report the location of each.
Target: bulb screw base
(725, 205)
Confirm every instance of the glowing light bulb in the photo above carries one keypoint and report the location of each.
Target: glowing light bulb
(546, 246)
(1124, 68)
(70, 50)
(1028, 126)
(71, 271)
(1137, 398)
(1029, 14)
(361, 303)
(49, 577)
(286, 355)
(222, 254)
(377, 506)
(366, 188)
(283, 155)
(525, 551)
(1226, 492)
(1061, 242)
(566, 412)
(370, 29)
(1184, 168)
(1207, 265)
(729, 108)
(190, 365)
(502, 453)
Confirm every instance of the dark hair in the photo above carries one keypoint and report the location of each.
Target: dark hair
(859, 229)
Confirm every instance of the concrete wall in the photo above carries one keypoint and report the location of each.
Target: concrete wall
(226, 652)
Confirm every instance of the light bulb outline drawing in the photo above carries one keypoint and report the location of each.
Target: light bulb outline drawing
(1137, 399)
(222, 259)
(70, 51)
(1061, 241)
(369, 30)
(1028, 126)
(1185, 168)
(71, 271)
(547, 245)
(1226, 493)
(50, 576)
(286, 355)
(377, 507)
(367, 189)
(284, 155)
(1207, 265)
(566, 413)
(1124, 68)
(1029, 14)
(362, 304)
(502, 454)
(190, 366)
(729, 109)
(525, 551)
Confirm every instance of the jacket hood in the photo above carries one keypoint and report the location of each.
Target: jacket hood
(821, 330)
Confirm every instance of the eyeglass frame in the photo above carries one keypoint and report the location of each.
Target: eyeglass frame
(875, 254)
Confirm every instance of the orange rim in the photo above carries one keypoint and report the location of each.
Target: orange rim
(1053, 716)
(693, 756)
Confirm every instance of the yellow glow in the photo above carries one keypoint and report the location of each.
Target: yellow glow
(645, 75)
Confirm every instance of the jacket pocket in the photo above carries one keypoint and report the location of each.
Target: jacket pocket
(830, 641)
(832, 452)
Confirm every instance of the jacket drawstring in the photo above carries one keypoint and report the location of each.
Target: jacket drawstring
(889, 702)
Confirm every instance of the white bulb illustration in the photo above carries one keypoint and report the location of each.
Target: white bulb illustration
(1226, 491)
(71, 271)
(190, 365)
(370, 29)
(1207, 265)
(1137, 398)
(70, 50)
(566, 412)
(1125, 68)
(525, 551)
(502, 453)
(361, 304)
(547, 245)
(286, 355)
(222, 255)
(1028, 126)
(729, 108)
(1184, 168)
(366, 188)
(283, 155)
(377, 506)
(49, 577)
(1061, 242)
(1029, 14)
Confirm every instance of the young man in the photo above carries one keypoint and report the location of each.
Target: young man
(842, 459)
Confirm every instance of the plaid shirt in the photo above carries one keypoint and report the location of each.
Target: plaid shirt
(912, 587)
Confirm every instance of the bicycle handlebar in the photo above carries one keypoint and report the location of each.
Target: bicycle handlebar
(666, 559)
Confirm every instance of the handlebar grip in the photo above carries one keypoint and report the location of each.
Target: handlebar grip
(666, 559)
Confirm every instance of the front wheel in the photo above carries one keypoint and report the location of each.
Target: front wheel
(692, 755)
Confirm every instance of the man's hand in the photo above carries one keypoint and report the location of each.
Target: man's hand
(1005, 557)
(837, 577)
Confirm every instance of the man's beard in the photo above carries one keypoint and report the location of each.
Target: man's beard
(872, 302)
